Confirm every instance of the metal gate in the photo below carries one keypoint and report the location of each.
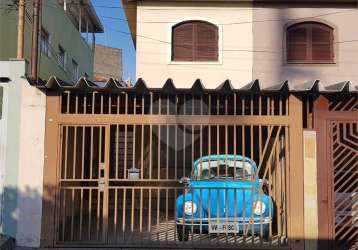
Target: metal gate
(337, 126)
(344, 148)
(82, 196)
(121, 158)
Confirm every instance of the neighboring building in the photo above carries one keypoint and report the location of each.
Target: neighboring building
(66, 39)
(243, 40)
(66, 52)
(107, 63)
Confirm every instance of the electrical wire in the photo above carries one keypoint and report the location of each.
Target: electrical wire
(232, 50)
(230, 23)
(243, 22)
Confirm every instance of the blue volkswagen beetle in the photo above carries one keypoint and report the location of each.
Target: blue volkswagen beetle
(222, 196)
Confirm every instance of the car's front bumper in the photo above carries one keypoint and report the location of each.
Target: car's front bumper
(245, 225)
(239, 221)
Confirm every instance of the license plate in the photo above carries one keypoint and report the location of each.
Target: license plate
(223, 227)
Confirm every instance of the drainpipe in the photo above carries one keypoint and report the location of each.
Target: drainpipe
(87, 30)
(20, 30)
(35, 39)
(80, 18)
(93, 42)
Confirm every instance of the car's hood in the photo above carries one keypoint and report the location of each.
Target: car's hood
(226, 198)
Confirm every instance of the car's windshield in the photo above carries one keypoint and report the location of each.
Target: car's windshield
(223, 169)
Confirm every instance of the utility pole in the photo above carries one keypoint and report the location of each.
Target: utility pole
(35, 39)
(21, 30)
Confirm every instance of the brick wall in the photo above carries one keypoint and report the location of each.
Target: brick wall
(107, 63)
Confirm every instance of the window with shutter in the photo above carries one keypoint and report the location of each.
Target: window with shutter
(309, 42)
(183, 42)
(195, 41)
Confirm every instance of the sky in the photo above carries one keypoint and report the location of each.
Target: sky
(112, 38)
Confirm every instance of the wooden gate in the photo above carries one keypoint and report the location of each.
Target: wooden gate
(119, 159)
(337, 125)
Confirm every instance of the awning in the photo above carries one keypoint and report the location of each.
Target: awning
(198, 87)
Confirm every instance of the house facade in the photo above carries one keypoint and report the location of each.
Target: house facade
(127, 162)
(302, 44)
(250, 40)
(65, 50)
(121, 159)
(130, 166)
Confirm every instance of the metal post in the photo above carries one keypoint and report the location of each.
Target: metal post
(87, 30)
(296, 176)
(20, 30)
(35, 41)
(93, 41)
(50, 180)
(80, 18)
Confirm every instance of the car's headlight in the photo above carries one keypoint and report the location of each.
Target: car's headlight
(259, 208)
(190, 208)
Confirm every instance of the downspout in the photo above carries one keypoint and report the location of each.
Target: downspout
(35, 39)
(21, 30)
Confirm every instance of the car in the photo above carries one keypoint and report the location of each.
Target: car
(223, 195)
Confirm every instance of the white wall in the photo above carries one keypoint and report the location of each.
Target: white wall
(252, 43)
(269, 37)
(154, 23)
(3, 140)
(31, 165)
(24, 162)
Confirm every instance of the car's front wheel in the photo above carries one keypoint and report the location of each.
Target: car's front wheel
(183, 233)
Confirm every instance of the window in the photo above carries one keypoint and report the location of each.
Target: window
(61, 57)
(310, 42)
(195, 41)
(74, 70)
(237, 169)
(45, 42)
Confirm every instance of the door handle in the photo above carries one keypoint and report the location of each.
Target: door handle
(102, 184)
(102, 179)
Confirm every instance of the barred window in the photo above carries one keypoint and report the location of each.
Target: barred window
(45, 42)
(62, 57)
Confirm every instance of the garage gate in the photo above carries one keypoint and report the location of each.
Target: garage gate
(120, 157)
